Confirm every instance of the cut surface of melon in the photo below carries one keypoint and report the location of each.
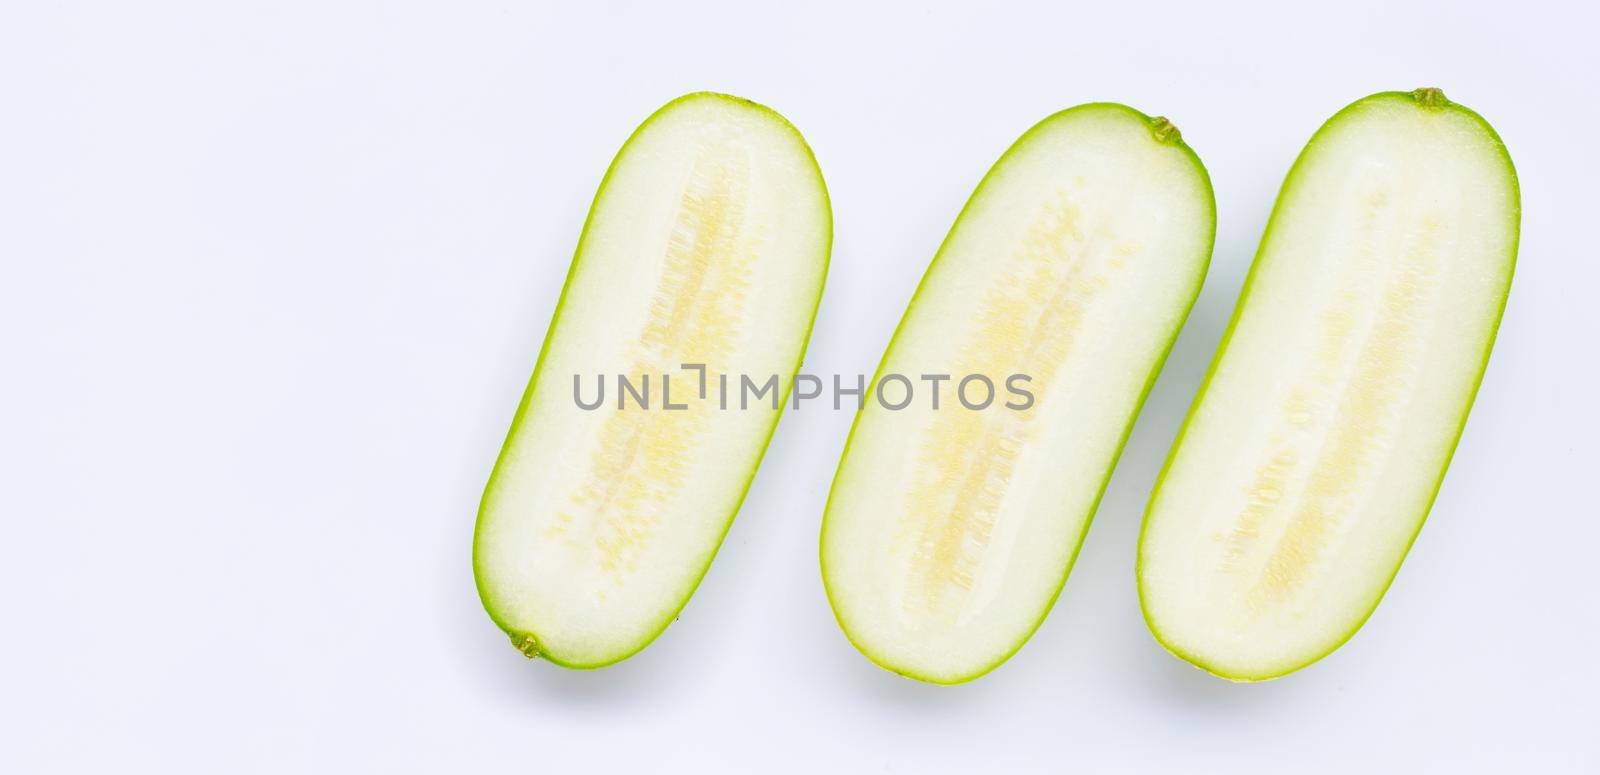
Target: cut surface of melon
(950, 531)
(1320, 437)
(707, 244)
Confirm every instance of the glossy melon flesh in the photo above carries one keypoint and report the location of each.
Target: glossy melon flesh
(949, 532)
(707, 244)
(1316, 446)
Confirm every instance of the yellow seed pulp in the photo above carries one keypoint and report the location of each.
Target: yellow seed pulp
(1335, 429)
(695, 316)
(1030, 322)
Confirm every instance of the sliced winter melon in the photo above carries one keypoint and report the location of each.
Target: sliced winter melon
(949, 531)
(703, 255)
(1320, 437)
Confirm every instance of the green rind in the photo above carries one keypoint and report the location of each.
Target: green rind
(1162, 131)
(528, 642)
(1427, 99)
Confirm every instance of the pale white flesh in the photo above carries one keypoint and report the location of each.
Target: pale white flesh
(949, 532)
(1312, 455)
(707, 244)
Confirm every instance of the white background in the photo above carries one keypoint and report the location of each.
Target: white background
(274, 277)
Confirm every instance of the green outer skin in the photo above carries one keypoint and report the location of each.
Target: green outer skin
(1164, 132)
(1428, 99)
(528, 642)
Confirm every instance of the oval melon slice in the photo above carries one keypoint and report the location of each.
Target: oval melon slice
(706, 245)
(950, 531)
(1321, 434)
